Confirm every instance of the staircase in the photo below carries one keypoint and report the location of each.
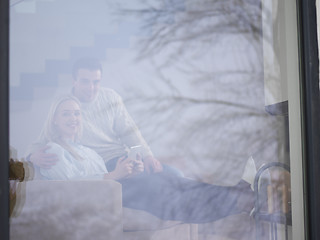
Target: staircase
(51, 35)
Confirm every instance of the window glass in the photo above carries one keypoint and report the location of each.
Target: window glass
(148, 119)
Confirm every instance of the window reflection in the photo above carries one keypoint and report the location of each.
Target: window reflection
(204, 83)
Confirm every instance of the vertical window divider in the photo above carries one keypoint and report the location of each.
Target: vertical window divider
(309, 81)
(4, 119)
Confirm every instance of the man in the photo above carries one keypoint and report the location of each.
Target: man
(107, 125)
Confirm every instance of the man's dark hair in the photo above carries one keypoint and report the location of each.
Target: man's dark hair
(86, 63)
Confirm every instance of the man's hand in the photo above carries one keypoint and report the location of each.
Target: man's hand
(124, 169)
(42, 159)
(152, 165)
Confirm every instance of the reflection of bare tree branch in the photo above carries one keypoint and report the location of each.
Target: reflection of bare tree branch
(186, 22)
(190, 100)
(223, 119)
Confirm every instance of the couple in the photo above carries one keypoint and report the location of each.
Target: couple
(145, 184)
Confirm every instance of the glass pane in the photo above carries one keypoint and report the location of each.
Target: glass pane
(155, 119)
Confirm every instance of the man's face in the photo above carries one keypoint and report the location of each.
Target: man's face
(86, 84)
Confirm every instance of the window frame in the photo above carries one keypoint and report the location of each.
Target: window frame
(309, 82)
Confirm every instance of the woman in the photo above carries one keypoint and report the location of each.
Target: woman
(62, 132)
(168, 197)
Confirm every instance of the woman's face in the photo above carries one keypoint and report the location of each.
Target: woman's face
(67, 119)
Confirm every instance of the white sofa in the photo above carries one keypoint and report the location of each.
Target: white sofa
(85, 210)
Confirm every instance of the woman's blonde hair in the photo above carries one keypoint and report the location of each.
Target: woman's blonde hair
(50, 133)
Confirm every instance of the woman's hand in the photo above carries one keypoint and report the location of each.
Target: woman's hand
(124, 169)
(152, 165)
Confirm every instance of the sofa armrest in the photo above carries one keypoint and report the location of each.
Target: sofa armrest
(68, 210)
